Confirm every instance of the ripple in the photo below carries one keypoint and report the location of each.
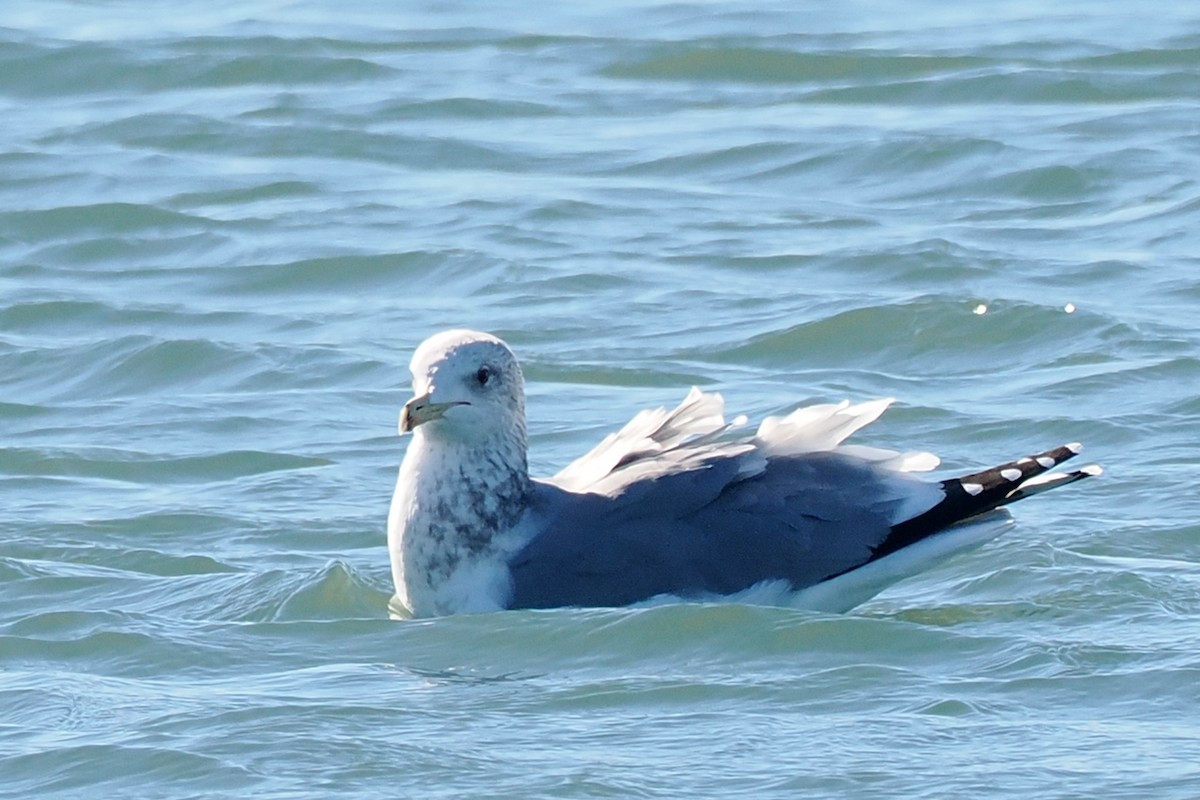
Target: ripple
(142, 468)
(71, 767)
(934, 329)
(87, 220)
(721, 60)
(224, 229)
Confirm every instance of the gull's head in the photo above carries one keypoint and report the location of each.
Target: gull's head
(467, 387)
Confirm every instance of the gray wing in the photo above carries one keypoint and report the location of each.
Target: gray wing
(709, 530)
(671, 505)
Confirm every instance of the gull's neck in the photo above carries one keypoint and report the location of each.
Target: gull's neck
(453, 505)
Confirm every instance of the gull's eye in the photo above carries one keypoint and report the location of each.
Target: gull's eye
(483, 376)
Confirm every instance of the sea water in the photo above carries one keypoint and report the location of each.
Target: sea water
(225, 226)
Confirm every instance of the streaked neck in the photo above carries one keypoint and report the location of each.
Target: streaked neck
(452, 501)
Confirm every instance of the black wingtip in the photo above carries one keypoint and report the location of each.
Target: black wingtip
(1051, 480)
(971, 495)
(998, 483)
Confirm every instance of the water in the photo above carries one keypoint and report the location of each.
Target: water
(223, 228)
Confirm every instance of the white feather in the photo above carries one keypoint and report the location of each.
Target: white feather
(840, 594)
(692, 429)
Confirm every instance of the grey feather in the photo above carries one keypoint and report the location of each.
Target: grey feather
(704, 532)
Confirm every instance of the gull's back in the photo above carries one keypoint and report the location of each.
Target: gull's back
(674, 505)
(706, 532)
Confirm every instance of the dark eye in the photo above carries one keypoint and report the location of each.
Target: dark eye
(483, 376)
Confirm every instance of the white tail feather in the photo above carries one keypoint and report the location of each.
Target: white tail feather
(814, 429)
(699, 418)
(840, 594)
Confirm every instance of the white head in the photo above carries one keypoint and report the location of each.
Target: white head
(467, 388)
(464, 482)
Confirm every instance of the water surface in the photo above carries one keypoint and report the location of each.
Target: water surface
(224, 228)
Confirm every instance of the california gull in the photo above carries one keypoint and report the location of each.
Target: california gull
(674, 505)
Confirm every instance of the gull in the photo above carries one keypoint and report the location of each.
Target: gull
(677, 505)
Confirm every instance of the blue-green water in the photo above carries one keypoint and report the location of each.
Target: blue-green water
(224, 227)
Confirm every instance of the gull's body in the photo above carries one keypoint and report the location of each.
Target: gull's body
(671, 506)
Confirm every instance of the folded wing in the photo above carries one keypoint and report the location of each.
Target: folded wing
(676, 504)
